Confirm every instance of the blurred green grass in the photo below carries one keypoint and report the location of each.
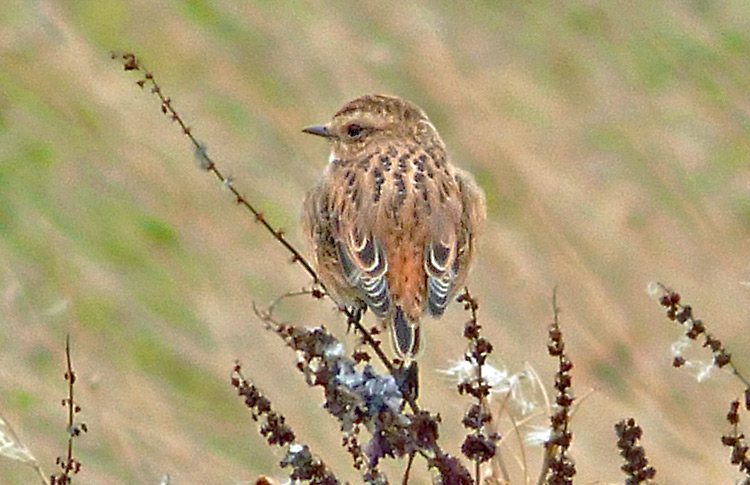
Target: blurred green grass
(611, 139)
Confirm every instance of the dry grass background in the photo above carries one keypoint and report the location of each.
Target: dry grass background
(611, 139)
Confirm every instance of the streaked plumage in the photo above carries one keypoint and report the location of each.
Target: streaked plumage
(392, 224)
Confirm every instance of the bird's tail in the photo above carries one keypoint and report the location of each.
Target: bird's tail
(405, 335)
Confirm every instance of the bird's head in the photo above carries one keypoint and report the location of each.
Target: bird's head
(375, 119)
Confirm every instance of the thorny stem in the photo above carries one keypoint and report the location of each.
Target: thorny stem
(71, 402)
(131, 63)
(69, 464)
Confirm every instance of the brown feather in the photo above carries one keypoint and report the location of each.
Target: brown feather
(391, 196)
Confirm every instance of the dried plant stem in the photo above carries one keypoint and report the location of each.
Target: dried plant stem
(71, 401)
(480, 444)
(69, 465)
(131, 63)
(32, 460)
(683, 314)
(558, 468)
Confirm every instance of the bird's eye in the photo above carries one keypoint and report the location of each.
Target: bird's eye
(354, 130)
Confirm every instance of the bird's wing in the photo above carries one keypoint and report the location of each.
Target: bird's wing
(440, 264)
(365, 266)
(449, 253)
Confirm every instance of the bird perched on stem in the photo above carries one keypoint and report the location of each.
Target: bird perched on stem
(392, 224)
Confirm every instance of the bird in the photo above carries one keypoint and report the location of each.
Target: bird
(392, 224)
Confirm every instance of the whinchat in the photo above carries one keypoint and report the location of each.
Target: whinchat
(392, 224)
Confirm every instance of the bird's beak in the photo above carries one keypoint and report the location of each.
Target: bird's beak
(320, 130)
